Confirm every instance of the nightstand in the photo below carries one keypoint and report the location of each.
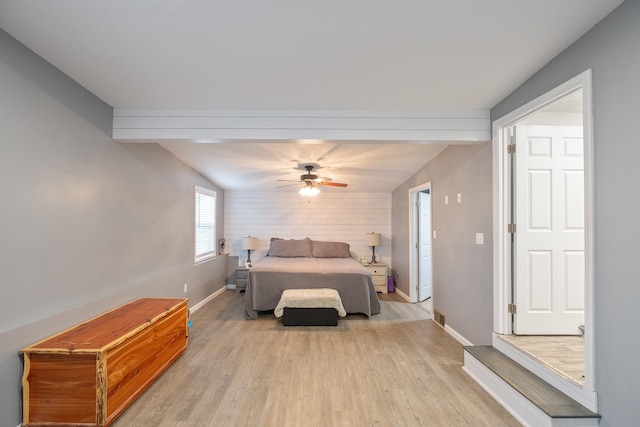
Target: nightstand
(379, 276)
(242, 276)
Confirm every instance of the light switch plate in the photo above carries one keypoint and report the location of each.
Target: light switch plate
(479, 238)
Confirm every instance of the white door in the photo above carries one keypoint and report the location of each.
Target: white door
(549, 261)
(424, 245)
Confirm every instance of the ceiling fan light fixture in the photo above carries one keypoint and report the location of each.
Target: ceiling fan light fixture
(309, 190)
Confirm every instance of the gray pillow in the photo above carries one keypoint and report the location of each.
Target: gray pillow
(330, 249)
(290, 248)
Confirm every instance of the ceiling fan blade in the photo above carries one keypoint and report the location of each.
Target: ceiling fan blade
(333, 184)
(288, 180)
(286, 185)
(312, 180)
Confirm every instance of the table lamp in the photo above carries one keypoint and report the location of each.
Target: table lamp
(249, 244)
(373, 240)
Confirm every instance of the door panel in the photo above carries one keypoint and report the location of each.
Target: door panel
(574, 266)
(574, 201)
(549, 242)
(539, 281)
(539, 207)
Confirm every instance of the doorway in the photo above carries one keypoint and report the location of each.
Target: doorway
(424, 245)
(420, 250)
(546, 287)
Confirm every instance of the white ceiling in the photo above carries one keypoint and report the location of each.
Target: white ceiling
(362, 55)
(364, 166)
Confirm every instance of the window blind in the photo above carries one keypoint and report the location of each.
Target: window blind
(205, 223)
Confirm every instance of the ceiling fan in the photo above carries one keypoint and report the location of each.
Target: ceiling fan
(312, 181)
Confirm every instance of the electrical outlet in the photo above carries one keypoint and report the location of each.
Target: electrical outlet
(185, 288)
(446, 200)
(459, 197)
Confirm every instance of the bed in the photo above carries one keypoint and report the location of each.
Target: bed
(300, 264)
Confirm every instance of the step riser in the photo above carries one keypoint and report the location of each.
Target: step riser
(519, 406)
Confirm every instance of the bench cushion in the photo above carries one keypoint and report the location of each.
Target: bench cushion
(310, 298)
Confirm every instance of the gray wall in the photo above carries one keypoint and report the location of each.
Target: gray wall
(87, 223)
(612, 50)
(462, 270)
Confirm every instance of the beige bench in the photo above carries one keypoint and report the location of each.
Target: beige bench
(310, 307)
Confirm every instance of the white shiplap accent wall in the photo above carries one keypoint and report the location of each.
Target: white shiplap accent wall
(329, 216)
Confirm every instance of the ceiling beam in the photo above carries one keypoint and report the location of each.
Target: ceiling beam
(203, 126)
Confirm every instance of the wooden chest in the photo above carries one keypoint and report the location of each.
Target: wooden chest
(90, 373)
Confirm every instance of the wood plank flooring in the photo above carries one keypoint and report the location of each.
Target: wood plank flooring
(396, 369)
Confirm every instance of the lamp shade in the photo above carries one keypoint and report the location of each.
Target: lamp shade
(309, 190)
(373, 239)
(249, 243)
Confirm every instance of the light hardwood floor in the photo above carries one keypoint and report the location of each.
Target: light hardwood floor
(396, 369)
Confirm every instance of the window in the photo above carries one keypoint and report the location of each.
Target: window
(205, 224)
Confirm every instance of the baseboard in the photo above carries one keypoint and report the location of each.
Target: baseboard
(458, 337)
(462, 340)
(207, 299)
(402, 294)
(448, 329)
